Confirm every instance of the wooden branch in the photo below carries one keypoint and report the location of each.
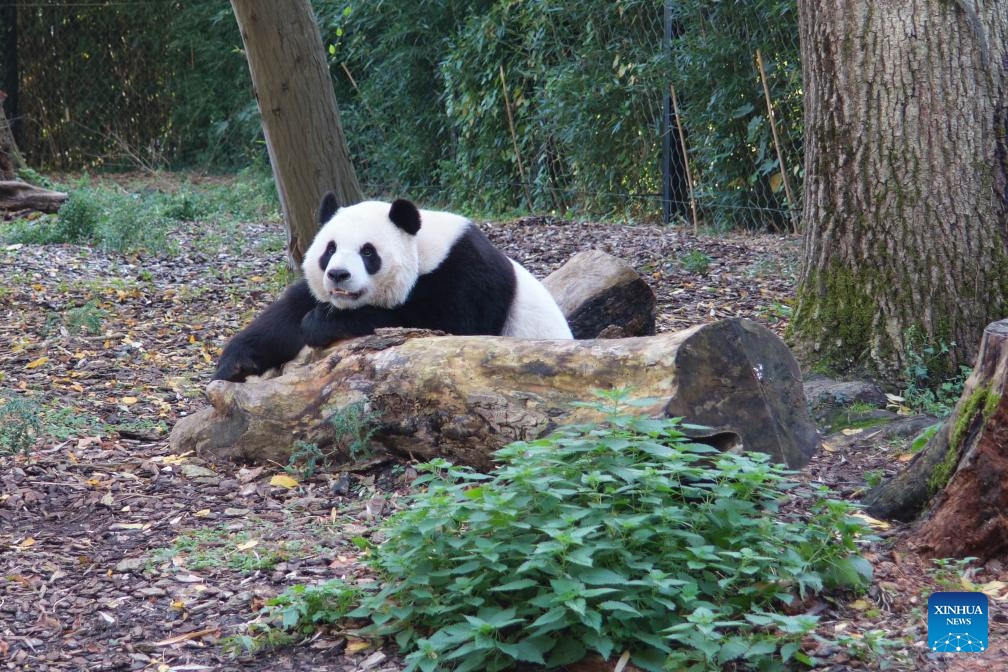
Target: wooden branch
(462, 397)
(685, 156)
(15, 195)
(776, 141)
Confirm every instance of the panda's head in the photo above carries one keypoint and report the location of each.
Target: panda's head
(364, 254)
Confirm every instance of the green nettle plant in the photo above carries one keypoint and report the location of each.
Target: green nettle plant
(610, 538)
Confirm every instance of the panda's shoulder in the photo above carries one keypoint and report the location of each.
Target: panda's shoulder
(439, 234)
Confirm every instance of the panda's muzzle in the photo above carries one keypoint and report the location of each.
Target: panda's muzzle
(338, 275)
(344, 294)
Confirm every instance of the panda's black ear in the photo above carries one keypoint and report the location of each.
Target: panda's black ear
(405, 215)
(327, 208)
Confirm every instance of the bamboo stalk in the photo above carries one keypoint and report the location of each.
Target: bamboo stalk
(514, 139)
(776, 141)
(685, 155)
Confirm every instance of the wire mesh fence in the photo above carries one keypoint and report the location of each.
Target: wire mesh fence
(650, 110)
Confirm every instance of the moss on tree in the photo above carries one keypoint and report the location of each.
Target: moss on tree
(983, 401)
(834, 313)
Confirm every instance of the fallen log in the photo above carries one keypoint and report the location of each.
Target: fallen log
(968, 515)
(462, 397)
(598, 292)
(15, 195)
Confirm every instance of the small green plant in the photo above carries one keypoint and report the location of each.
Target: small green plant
(354, 427)
(86, 319)
(63, 422)
(622, 536)
(20, 425)
(860, 408)
(949, 573)
(217, 547)
(294, 613)
(873, 477)
(925, 364)
(776, 312)
(922, 439)
(78, 218)
(695, 261)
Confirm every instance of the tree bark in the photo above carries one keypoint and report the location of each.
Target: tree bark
(10, 158)
(300, 120)
(965, 467)
(462, 397)
(905, 181)
(11, 72)
(22, 196)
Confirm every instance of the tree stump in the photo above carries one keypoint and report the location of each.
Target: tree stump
(969, 515)
(462, 397)
(597, 291)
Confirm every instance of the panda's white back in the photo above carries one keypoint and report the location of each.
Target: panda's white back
(534, 312)
(438, 232)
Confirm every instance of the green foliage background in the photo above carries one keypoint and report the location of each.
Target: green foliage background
(421, 89)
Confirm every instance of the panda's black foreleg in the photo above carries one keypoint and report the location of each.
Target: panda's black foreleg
(271, 339)
(326, 324)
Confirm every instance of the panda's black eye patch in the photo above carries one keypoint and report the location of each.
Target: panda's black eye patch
(330, 250)
(369, 255)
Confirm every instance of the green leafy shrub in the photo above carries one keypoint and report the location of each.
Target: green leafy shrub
(585, 83)
(622, 536)
(86, 319)
(696, 261)
(117, 219)
(20, 425)
(929, 386)
(77, 219)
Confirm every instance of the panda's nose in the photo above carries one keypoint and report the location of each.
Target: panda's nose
(338, 274)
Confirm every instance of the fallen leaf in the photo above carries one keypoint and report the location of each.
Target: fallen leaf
(27, 542)
(35, 363)
(129, 401)
(357, 645)
(283, 481)
(874, 523)
(995, 589)
(860, 605)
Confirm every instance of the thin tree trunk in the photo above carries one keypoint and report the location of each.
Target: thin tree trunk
(905, 179)
(298, 107)
(10, 158)
(11, 74)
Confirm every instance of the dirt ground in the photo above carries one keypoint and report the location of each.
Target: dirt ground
(117, 555)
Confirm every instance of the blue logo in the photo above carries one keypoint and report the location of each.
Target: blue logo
(957, 622)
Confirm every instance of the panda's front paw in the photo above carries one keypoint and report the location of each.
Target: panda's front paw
(320, 327)
(237, 364)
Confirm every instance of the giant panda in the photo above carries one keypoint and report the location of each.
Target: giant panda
(378, 264)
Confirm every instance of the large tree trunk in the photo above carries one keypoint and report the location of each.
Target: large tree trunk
(461, 397)
(298, 107)
(905, 180)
